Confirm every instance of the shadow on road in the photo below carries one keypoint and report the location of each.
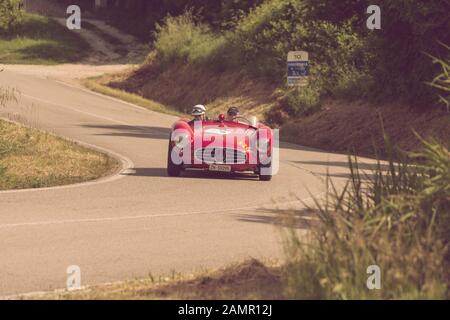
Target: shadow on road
(344, 164)
(190, 174)
(132, 131)
(298, 219)
(147, 172)
(219, 175)
(366, 170)
(363, 176)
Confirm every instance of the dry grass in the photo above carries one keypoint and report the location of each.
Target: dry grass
(182, 86)
(249, 280)
(99, 84)
(347, 127)
(33, 159)
(397, 219)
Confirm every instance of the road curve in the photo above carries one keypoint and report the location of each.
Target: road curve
(139, 221)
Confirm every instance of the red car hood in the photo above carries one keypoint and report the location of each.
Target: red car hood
(215, 133)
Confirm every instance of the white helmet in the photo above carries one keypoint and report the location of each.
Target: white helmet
(198, 110)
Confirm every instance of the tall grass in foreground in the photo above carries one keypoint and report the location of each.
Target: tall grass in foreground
(397, 219)
(6, 95)
(442, 81)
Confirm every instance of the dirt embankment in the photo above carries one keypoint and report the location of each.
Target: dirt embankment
(183, 86)
(340, 126)
(346, 126)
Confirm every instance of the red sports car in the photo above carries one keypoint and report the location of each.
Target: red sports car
(222, 146)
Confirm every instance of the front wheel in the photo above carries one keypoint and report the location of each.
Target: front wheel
(267, 176)
(173, 170)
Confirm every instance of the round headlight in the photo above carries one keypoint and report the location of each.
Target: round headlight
(263, 144)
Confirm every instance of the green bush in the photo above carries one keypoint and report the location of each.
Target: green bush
(41, 40)
(351, 84)
(408, 29)
(301, 101)
(260, 43)
(396, 217)
(262, 40)
(10, 14)
(181, 38)
(347, 60)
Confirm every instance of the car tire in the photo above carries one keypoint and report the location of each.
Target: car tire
(173, 170)
(265, 177)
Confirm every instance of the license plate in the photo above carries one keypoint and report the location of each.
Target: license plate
(220, 168)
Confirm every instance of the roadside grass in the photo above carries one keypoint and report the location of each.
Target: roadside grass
(250, 280)
(41, 40)
(33, 159)
(97, 84)
(398, 220)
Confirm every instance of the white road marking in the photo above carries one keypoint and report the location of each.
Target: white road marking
(114, 99)
(76, 110)
(122, 218)
(84, 112)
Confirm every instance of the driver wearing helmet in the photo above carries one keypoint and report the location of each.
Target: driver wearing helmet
(232, 114)
(198, 112)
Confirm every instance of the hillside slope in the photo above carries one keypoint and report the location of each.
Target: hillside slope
(343, 126)
(355, 75)
(339, 126)
(182, 86)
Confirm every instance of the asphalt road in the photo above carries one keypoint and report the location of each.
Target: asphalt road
(139, 221)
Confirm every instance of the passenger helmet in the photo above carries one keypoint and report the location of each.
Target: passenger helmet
(233, 111)
(198, 110)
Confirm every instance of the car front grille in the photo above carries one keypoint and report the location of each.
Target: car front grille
(229, 155)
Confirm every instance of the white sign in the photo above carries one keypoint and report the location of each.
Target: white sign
(297, 68)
